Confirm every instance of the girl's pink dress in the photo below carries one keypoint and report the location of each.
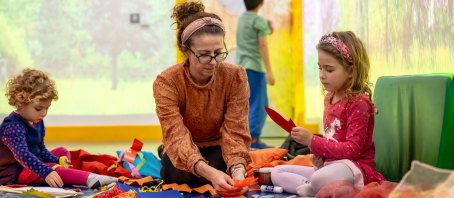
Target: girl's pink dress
(349, 126)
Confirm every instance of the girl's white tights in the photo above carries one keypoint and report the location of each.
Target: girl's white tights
(306, 181)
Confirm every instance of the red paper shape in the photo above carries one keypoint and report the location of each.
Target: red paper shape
(246, 182)
(278, 118)
(130, 154)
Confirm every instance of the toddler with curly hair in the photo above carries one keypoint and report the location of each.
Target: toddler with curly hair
(24, 157)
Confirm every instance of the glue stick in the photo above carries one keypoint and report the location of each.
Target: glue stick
(275, 189)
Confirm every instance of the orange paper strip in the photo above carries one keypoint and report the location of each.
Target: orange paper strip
(185, 188)
(123, 178)
(139, 183)
(203, 189)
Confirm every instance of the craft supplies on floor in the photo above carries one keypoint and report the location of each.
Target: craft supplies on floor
(60, 192)
(275, 189)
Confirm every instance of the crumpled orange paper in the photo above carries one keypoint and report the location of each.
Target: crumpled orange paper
(246, 182)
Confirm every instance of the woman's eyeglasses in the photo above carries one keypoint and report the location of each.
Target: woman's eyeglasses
(205, 59)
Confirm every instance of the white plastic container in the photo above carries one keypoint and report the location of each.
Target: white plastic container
(275, 189)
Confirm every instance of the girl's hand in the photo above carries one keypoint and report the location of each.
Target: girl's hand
(54, 180)
(317, 161)
(302, 136)
(239, 175)
(223, 184)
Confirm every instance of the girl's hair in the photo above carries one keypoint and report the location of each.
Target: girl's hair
(187, 12)
(30, 86)
(360, 67)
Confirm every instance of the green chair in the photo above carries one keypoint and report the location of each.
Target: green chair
(415, 122)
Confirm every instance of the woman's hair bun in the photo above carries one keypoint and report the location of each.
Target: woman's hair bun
(183, 10)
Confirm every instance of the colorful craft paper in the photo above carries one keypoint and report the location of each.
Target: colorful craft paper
(131, 154)
(286, 123)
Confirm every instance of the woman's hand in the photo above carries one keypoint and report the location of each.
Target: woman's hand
(317, 161)
(54, 180)
(302, 136)
(221, 182)
(239, 175)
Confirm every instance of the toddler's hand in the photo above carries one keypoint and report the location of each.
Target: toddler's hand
(69, 162)
(302, 136)
(317, 161)
(54, 180)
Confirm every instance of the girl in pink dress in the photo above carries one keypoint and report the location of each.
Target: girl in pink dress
(346, 151)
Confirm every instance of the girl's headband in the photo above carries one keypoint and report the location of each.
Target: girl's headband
(197, 24)
(341, 47)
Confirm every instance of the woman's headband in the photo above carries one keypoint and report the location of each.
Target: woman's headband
(341, 47)
(197, 24)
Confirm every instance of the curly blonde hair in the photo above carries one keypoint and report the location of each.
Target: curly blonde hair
(360, 83)
(30, 86)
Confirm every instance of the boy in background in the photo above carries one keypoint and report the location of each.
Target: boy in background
(252, 54)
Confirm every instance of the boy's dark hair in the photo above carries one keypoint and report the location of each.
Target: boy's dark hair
(252, 4)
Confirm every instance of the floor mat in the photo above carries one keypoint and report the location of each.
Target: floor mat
(89, 192)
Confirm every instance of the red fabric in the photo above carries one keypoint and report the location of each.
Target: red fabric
(349, 127)
(344, 189)
(99, 164)
(68, 176)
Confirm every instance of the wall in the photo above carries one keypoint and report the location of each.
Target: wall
(402, 37)
(104, 65)
(285, 49)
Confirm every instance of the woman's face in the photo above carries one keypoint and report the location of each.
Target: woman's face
(203, 45)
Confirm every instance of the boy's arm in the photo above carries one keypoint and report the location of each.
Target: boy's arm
(265, 56)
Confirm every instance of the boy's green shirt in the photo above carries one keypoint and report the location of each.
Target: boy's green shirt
(250, 27)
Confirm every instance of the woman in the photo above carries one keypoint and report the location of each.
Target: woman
(202, 105)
